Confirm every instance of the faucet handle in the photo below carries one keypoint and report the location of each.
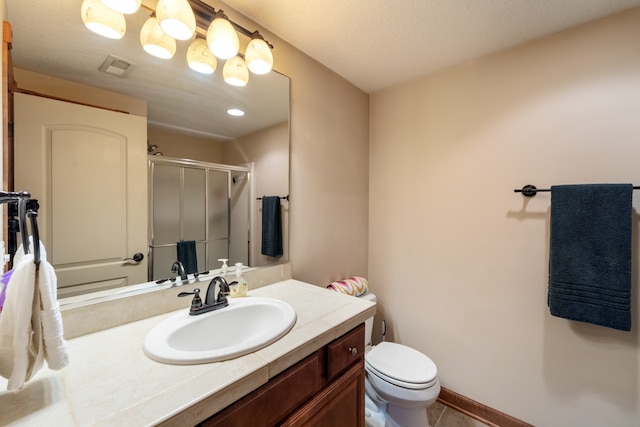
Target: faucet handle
(196, 302)
(224, 290)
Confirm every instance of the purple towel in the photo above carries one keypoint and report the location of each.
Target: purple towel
(5, 280)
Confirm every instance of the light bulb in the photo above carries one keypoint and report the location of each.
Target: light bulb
(258, 56)
(235, 72)
(200, 58)
(176, 18)
(222, 38)
(155, 41)
(101, 20)
(123, 6)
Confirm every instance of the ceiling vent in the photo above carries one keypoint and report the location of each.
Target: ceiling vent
(117, 66)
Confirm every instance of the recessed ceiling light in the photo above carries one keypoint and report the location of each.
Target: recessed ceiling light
(235, 112)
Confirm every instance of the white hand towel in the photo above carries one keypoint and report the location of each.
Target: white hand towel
(55, 348)
(21, 349)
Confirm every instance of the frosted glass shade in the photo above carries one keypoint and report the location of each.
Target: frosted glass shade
(200, 58)
(176, 18)
(235, 72)
(123, 6)
(155, 41)
(101, 20)
(258, 56)
(222, 39)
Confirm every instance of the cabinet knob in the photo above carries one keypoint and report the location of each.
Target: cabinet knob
(353, 351)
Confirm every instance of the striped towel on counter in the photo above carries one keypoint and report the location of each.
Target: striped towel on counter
(354, 286)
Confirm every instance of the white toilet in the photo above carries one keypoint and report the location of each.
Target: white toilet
(400, 383)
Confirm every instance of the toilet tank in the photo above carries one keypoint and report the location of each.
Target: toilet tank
(368, 324)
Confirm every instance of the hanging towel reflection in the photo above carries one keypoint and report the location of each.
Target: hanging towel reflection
(271, 226)
(187, 255)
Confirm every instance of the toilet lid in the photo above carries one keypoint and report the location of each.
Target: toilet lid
(401, 365)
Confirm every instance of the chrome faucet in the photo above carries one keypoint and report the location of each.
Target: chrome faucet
(210, 301)
(177, 267)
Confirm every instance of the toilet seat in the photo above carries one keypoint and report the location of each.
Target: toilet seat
(401, 366)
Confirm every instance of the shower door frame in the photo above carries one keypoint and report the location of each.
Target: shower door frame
(206, 166)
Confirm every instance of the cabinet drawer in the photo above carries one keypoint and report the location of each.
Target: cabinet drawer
(276, 399)
(345, 351)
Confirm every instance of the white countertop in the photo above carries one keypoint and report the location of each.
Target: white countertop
(110, 382)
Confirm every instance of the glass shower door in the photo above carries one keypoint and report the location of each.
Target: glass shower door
(218, 206)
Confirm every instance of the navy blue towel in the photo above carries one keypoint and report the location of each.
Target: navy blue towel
(590, 254)
(187, 256)
(271, 226)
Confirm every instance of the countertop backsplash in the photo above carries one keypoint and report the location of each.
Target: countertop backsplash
(85, 318)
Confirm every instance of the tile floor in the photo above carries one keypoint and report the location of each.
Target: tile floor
(443, 416)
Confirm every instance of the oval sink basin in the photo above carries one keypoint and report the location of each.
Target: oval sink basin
(246, 325)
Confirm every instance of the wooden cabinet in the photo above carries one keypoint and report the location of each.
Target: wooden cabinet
(324, 389)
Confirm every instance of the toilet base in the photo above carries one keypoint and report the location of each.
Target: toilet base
(380, 413)
(405, 417)
(373, 414)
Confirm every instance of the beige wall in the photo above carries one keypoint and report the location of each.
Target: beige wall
(78, 92)
(329, 169)
(171, 144)
(270, 160)
(460, 262)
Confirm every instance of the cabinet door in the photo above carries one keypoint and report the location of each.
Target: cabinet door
(339, 404)
(276, 399)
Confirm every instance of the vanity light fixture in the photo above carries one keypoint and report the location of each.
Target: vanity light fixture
(200, 58)
(222, 38)
(123, 6)
(181, 19)
(101, 20)
(235, 71)
(176, 18)
(258, 55)
(155, 41)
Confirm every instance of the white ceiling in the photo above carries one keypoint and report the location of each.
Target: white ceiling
(378, 43)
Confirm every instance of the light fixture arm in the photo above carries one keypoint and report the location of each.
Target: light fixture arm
(205, 14)
(256, 35)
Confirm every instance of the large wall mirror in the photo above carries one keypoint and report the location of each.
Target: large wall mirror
(185, 112)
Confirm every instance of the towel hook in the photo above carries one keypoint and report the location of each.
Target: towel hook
(22, 217)
(33, 217)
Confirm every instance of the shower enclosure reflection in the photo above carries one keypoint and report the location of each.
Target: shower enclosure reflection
(206, 203)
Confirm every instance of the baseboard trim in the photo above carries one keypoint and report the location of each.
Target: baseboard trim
(478, 411)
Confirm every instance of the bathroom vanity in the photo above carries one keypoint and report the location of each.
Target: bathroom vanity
(326, 388)
(312, 375)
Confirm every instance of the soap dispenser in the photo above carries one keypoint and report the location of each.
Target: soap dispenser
(225, 267)
(239, 287)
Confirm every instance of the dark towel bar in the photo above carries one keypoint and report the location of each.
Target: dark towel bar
(531, 190)
(282, 197)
